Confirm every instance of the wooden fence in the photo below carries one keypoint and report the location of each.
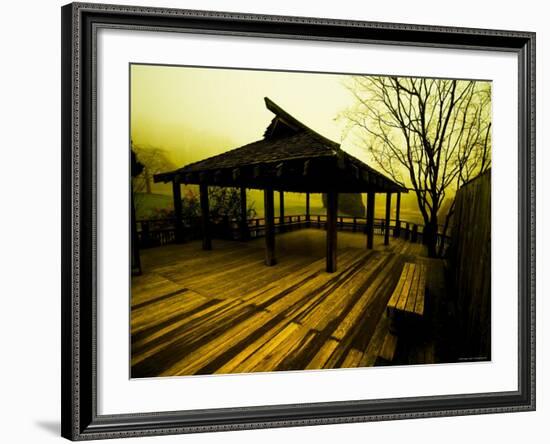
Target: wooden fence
(156, 232)
(470, 260)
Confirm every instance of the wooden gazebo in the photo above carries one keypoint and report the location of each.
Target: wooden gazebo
(290, 157)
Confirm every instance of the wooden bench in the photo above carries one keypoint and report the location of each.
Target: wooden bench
(404, 310)
(407, 300)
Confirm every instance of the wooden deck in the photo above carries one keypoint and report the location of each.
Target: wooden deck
(224, 311)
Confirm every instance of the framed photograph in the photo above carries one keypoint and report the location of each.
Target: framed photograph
(280, 221)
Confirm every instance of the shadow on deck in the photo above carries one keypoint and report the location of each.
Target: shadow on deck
(224, 311)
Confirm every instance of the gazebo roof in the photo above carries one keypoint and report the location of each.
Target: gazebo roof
(290, 157)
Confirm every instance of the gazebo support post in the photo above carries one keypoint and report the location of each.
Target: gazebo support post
(387, 221)
(332, 236)
(178, 223)
(397, 231)
(281, 211)
(244, 216)
(205, 217)
(269, 214)
(370, 220)
(307, 208)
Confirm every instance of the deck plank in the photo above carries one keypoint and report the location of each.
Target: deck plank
(223, 311)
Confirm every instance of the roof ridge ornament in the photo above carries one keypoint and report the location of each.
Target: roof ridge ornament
(291, 125)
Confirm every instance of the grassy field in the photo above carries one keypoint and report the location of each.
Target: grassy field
(147, 205)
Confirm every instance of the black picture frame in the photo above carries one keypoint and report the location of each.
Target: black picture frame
(79, 386)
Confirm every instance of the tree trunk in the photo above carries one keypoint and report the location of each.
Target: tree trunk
(446, 227)
(429, 236)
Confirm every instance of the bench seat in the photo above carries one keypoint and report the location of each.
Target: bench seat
(408, 297)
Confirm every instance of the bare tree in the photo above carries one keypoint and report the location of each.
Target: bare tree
(154, 160)
(430, 135)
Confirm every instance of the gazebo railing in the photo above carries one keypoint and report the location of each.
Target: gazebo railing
(157, 232)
